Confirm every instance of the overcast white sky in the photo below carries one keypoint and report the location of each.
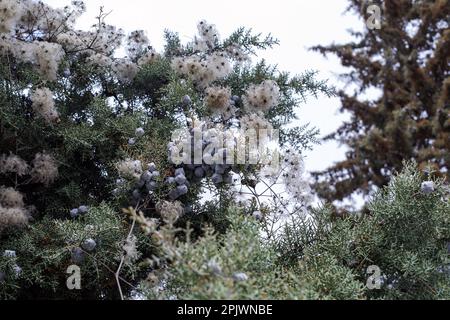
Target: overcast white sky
(298, 24)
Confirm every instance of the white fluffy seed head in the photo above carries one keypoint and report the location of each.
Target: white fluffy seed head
(48, 57)
(170, 211)
(208, 34)
(148, 58)
(217, 99)
(130, 249)
(45, 169)
(13, 164)
(137, 43)
(12, 218)
(261, 98)
(203, 71)
(44, 105)
(125, 69)
(255, 122)
(11, 11)
(10, 198)
(130, 169)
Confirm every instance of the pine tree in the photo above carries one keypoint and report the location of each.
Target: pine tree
(407, 62)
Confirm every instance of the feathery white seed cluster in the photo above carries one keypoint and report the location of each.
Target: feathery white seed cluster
(11, 198)
(13, 164)
(48, 56)
(99, 60)
(170, 211)
(262, 97)
(11, 10)
(255, 122)
(125, 69)
(210, 62)
(137, 44)
(12, 210)
(236, 53)
(44, 105)
(45, 169)
(217, 100)
(208, 36)
(57, 36)
(45, 56)
(18, 17)
(294, 177)
(130, 250)
(148, 58)
(203, 70)
(103, 39)
(130, 169)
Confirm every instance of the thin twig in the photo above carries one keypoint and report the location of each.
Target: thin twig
(122, 260)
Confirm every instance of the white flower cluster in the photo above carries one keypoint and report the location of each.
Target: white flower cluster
(208, 36)
(237, 54)
(130, 169)
(13, 164)
(125, 69)
(45, 169)
(130, 250)
(218, 101)
(44, 105)
(170, 211)
(12, 209)
(261, 98)
(137, 44)
(148, 58)
(102, 39)
(10, 10)
(203, 70)
(47, 58)
(255, 122)
(26, 26)
(294, 179)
